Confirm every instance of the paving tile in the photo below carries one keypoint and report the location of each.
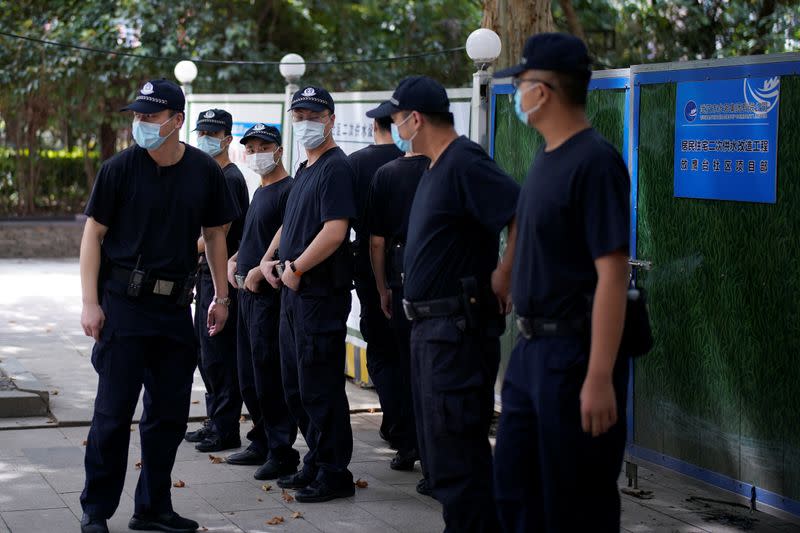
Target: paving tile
(200, 472)
(57, 457)
(406, 515)
(377, 490)
(65, 480)
(411, 490)
(12, 442)
(380, 470)
(239, 496)
(342, 516)
(117, 523)
(42, 521)
(255, 522)
(24, 491)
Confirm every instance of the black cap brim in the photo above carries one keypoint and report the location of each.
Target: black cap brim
(312, 106)
(144, 107)
(211, 128)
(384, 110)
(516, 70)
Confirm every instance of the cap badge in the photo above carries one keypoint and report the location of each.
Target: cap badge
(309, 92)
(209, 114)
(258, 127)
(394, 101)
(147, 89)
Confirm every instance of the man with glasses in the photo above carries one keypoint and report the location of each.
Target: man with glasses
(563, 422)
(138, 263)
(218, 354)
(317, 279)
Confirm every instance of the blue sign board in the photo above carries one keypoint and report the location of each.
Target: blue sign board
(726, 134)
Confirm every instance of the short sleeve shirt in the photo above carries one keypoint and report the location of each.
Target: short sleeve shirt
(365, 163)
(461, 205)
(321, 192)
(573, 209)
(238, 189)
(264, 218)
(391, 196)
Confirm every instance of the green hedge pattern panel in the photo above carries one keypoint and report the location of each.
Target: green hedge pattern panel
(720, 388)
(516, 145)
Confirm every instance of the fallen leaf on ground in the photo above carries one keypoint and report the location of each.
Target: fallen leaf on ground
(203, 529)
(85, 442)
(54, 393)
(138, 464)
(216, 460)
(275, 520)
(259, 499)
(297, 514)
(242, 419)
(133, 429)
(179, 484)
(195, 401)
(267, 487)
(361, 483)
(288, 498)
(371, 410)
(48, 330)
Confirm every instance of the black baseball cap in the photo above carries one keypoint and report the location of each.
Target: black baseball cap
(313, 98)
(264, 132)
(415, 93)
(157, 95)
(214, 120)
(558, 52)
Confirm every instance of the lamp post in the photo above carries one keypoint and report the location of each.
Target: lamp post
(483, 48)
(292, 68)
(185, 72)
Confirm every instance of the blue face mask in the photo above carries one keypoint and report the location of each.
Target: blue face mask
(210, 145)
(148, 135)
(521, 114)
(404, 145)
(310, 133)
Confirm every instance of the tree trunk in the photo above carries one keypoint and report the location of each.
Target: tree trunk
(108, 141)
(515, 21)
(575, 26)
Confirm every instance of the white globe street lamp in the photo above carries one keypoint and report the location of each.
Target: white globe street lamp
(292, 68)
(483, 48)
(186, 72)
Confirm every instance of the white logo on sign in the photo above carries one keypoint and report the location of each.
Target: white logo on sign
(209, 114)
(147, 89)
(309, 92)
(258, 127)
(765, 97)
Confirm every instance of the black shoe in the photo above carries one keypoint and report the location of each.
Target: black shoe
(93, 525)
(404, 461)
(319, 491)
(170, 521)
(215, 443)
(423, 487)
(298, 480)
(247, 457)
(201, 434)
(274, 470)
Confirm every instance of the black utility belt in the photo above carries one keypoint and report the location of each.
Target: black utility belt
(140, 283)
(441, 307)
(476, 304)
(545, 327)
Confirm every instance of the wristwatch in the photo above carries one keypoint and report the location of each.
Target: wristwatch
(297, 273)
(223, 301)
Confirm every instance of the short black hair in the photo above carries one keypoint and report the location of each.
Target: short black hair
(574, 86)
(384, 123)
(440, 119)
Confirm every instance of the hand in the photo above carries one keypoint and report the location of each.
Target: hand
(217, 316)
(232, 273)
(254, 277)
(598, 405)
(268, 271)
(501, 286)
(92, 320)
(290, 279)
(386, 303)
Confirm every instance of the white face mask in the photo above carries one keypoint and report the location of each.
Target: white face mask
(310, 133)
(262, 163)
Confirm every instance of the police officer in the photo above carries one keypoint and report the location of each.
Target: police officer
(461, 204)
(316, 278)
(138, 262)
(388, 210)
(218, 353)
(563, 420)
(382, 358)
(275, 430)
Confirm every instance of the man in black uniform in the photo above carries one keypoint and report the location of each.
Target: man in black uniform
(382, 356)
(218, 353)
(274, 431)
(138, 263)
(388, 211)
(317, 278)
(460, 207)
(563, 422)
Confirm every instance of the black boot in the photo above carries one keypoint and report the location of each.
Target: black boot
(169, 521)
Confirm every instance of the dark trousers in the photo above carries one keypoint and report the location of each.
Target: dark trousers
(217, 361)
(401, 332)
(275, 431)
(124, 363)
(542, 457)
(383, 360)
(453, 374)
(312, 333)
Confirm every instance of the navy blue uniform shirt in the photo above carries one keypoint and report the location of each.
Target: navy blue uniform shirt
(391, 196)
(459, 209)
(238, 188)
(365, 163)
(321, 192)
(573, 209)
(263, 220)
